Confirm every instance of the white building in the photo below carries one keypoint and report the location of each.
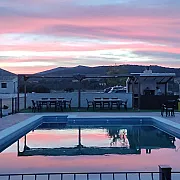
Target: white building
(8, 84)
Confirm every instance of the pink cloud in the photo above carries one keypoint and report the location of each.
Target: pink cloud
(103, 24)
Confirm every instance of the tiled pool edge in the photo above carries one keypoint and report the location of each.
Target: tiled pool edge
(13, 133)
(167, 125)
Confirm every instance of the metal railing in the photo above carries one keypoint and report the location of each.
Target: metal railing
(12, 105)
(94, 176)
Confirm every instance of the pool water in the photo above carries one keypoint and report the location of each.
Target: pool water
(63, 148)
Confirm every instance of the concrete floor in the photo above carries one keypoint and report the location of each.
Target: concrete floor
(10, 120)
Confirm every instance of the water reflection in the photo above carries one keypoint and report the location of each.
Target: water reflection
(118, 137)
(122, 140)
(148, 147)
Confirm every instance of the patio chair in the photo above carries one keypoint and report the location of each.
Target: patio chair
(90, 104)
(59, 105)
(168, 107)
(35, 106)
(115, 103)
(124, 103)
(97, 102)
(68, 103)
(44, 102)
(106, 102)
(52, 102)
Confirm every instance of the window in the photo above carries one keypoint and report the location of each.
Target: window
(3, 85)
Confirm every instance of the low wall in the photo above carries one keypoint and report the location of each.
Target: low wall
(84, 95)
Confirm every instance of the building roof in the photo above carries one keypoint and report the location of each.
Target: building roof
(149, 75)
(7, 78)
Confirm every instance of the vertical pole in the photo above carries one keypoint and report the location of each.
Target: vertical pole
(25, 88)
(16, 104)
(139, 93)
(164, 172)
(12, 104)
(79, 138)
(18, 147)
(0, 108)
(165, 89)
(18, 91)
(79, 95)
(133, 105)
(25, 142)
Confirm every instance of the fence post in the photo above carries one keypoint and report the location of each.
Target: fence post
(164, 172)
(16, 106)
(12, 104)
(0, 108)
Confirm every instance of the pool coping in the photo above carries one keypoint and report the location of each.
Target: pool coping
(13, 133)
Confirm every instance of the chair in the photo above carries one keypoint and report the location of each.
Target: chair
(115, 102)
(106, 102)
(52, 102)
(90, 104)
(97, 102)
(168, 107)
(63, 102)
(59, 105)
(124, 103)
(44, 102)
(68, 103)
(35, 106)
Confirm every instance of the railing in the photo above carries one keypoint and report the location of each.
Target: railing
(94, 176)
(11, 103)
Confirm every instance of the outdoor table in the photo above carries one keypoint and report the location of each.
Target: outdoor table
(111, 101)
(50, 102)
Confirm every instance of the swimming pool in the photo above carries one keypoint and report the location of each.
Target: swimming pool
(96, 145)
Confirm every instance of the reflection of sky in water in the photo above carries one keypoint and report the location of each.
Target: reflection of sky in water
(9, 162)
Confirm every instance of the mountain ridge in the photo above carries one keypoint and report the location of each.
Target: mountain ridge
(102, 70)
(98, 70)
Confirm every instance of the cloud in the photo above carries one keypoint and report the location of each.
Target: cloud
(59, 32)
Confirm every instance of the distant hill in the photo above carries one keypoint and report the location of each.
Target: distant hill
(66, 71)
(102, 70)
(6, 73)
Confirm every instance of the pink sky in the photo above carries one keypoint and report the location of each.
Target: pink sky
(52, 33)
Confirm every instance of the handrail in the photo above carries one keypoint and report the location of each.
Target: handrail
(59, 173)
(163, 175)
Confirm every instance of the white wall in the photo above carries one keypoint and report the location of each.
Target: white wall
(11, 87)
(84, 96)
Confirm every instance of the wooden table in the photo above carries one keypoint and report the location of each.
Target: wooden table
(52, 102)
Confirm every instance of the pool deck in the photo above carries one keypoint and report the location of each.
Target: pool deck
(11, 120)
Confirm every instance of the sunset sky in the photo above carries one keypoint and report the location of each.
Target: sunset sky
(36, 35)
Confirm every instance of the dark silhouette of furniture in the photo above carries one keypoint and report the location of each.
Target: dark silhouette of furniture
(59, 105)
(90, 104)
(35, 106)
(115, 103)
(124, 103)
(168, 107)
(52, 102)
(44, 102)
(97, 102)
(106, 103)
(68, 103)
